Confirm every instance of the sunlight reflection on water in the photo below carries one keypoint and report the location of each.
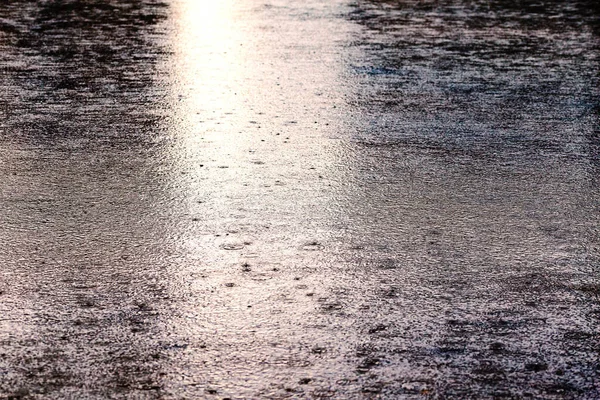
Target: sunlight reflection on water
(297, 198)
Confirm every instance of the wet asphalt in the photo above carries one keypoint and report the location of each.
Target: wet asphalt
(299, 199)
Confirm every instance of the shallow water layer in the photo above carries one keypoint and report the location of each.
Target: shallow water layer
(299, 199)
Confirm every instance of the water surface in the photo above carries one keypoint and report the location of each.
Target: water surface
(299, 199)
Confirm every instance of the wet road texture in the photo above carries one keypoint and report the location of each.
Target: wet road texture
(348, 199)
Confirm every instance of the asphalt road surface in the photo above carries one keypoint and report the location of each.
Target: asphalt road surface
(269, 199)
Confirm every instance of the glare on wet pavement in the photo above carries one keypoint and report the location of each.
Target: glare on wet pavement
(299, 199)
